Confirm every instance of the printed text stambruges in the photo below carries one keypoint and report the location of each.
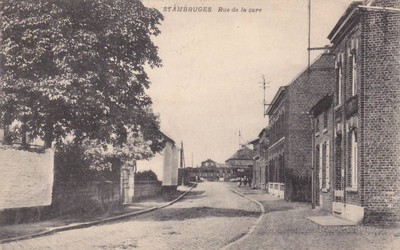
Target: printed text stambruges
(186, 9)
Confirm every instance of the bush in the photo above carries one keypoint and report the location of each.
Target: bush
(146, 176)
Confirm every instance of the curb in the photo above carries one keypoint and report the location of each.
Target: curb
(96, 222)
(253, 228)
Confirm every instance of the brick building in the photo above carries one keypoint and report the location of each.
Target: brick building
(289, 130)
(323, 176)
(260, 167)
(365, 42)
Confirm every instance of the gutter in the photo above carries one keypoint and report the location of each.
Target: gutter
(376, 8)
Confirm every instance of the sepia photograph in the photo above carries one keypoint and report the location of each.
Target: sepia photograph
(199, 124)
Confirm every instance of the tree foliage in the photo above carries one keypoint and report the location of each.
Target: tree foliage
(76, 68)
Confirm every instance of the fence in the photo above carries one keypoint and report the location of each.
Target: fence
(276, 189)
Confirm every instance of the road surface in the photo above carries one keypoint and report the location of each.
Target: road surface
(209, 217)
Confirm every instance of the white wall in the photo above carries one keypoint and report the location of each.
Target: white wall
(26, 178)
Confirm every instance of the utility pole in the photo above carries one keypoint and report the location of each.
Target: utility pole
(309, 49)
(309, 34)
(182, 156)
(264, 86)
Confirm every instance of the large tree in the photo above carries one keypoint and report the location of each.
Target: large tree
(76, 68)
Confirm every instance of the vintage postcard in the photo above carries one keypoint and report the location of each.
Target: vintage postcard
(199, 124)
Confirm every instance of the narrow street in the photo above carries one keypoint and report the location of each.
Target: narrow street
(209, 217)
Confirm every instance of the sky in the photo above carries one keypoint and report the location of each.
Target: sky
(213, 62)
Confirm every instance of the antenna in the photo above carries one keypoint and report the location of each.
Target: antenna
(309, 34)
(326, 47)
(264, 86)
(240, 135)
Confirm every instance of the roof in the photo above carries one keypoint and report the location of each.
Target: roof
(242, 154)
(341, 26)
(255, 141)
(276, 98)
(167, 138)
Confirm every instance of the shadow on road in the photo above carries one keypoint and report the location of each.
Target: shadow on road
(179, 214)
(194, 195)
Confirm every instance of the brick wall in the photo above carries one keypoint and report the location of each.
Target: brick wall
(386, 3)
(380, 111)
(305, 91)
(147, 189)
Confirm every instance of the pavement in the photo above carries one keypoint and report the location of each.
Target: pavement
(287, 225)
(10, 233)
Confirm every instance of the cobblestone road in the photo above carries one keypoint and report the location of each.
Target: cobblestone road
(209, 217)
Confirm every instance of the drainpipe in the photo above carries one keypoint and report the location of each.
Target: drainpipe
(313, 164)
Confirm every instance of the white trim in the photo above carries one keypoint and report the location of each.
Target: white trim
(273, 145)
(343, 23)
(327, 167)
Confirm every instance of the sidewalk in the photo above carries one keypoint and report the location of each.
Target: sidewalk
(30, 230)
(285, 226)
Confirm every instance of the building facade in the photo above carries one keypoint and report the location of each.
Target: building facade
(289, 130)
(365, 42)
(323, 139)
(260, 166)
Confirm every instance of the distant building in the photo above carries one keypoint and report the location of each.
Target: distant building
(289, 130)
(209, 170)
(241, 163)
(366, 117)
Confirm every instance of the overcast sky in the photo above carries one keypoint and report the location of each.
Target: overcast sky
(208, 88)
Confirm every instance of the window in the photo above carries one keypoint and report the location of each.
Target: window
(353, 160)
(327, 166)
(339, 75)
(353, 64)
(319, 163)
(325, 119)
(317, 125)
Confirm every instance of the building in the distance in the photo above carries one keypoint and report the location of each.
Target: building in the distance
(241, 163)
(209, 170)
(366, 106)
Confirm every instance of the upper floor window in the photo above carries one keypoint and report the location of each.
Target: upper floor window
(325, 119)
(339, 80)
(353, 64)
(317, 125)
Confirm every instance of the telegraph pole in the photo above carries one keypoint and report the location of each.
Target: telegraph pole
(264, 86)
(182, 156)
